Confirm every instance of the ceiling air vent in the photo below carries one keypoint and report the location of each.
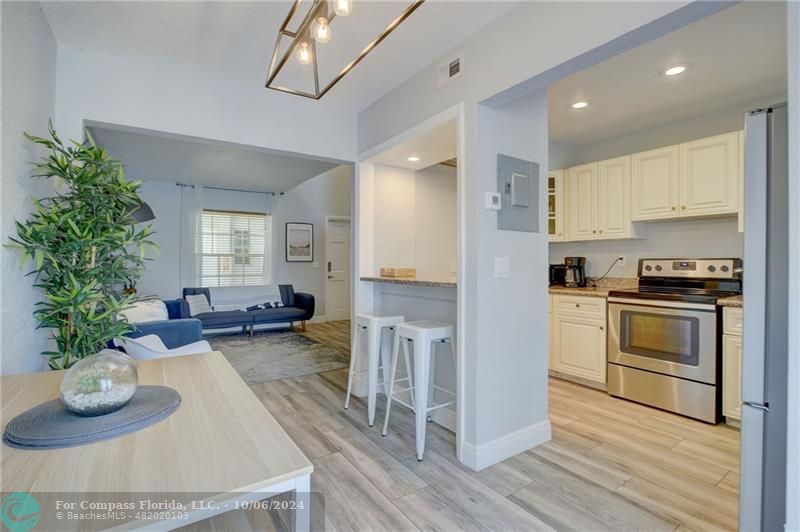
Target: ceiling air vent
(449, 71)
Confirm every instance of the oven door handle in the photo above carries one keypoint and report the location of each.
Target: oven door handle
(662, 303)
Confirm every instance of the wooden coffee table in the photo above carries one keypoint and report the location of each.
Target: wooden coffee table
(221, 443)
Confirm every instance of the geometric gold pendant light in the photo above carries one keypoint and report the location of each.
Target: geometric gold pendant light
(296, 67)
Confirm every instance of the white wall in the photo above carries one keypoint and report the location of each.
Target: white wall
(394, 218)
(793, 425)
(162, 272)
(28, 96)
(435, 230)
(717, 237)
(327, 194)
(106, 89)
(509, 315)
(415, 220)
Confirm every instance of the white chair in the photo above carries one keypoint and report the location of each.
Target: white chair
(373, 325)
(421, 334)
(151, 347)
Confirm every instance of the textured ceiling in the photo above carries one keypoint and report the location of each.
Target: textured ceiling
(735, 56)
(234, 40)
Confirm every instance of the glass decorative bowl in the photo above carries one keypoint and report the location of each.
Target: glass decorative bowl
(99, 384)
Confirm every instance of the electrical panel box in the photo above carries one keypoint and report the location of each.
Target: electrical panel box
(518, 185)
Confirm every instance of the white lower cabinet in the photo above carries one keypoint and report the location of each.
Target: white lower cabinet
(732, 376)
(732, 363)
(578, 337)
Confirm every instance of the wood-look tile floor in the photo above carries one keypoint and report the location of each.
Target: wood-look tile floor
(611, 465)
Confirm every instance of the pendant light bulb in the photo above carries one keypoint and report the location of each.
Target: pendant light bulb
(303, 53)
(320, 30)
(343, 7)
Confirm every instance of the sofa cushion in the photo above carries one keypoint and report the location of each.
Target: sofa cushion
(145, 310)
(198, 304)
(277, 315)
(226, 318)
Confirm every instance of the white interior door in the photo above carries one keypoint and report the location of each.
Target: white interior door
(337, 267)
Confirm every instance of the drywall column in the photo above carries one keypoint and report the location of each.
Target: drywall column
(793, 414)
(506, 351)
(29, 83)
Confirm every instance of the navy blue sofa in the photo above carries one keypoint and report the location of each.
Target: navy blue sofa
(297, 306)
(177, 331)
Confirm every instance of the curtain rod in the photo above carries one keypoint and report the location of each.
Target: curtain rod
(185, 185)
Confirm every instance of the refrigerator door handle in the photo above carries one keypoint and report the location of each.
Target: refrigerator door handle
(758, 406)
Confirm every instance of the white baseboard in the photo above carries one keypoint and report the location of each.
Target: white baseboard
(489, 453)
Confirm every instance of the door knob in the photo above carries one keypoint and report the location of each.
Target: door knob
(330, 277)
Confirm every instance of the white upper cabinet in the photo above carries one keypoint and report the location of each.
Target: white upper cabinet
(654, 184)
(697, 178)
(599, 200)
(556, 193)
(614, 197)
(605, 199)
(709, 176)
(582, 201)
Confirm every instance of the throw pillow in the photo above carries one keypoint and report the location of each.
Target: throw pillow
(143, 311)
(198, 304)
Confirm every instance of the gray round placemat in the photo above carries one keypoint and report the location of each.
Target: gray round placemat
(51, 426)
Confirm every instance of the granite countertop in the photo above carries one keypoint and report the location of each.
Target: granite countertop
(733, 301)
(431, 283)
(602, 288)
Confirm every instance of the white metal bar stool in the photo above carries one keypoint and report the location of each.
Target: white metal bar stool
(422, 334)
(374, 326)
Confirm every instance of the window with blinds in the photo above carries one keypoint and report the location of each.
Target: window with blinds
(236, 248)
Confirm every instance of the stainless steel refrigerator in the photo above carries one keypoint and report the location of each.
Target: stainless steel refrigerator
(764, 358)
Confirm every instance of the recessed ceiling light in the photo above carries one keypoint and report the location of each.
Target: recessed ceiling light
(674, 71)
(413, 159)
(581, 104)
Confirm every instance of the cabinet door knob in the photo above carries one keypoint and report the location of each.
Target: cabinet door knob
(673, 208)
(577, 305)
(594, 231)
(601, 327)
(601, 231)
(683, 207)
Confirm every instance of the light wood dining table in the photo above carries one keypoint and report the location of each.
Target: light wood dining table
(219, 451)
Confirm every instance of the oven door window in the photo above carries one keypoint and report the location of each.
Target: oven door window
(662, 337)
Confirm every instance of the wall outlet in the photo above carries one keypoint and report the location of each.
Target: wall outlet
(502, 267)
(621, 260)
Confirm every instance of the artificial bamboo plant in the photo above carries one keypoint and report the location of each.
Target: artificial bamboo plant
(84, 245)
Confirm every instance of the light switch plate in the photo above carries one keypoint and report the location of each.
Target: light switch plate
(493, 201)
(315, 264)
(502, 267)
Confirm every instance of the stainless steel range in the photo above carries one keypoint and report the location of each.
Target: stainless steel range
(664, 338)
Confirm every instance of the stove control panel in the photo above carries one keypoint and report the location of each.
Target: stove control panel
(691, 268)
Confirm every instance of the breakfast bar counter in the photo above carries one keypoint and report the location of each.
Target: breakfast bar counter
(413, 281)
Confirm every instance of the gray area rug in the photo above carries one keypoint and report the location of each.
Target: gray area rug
(271, 355)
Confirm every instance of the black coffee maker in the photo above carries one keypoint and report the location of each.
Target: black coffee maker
(575, 274)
